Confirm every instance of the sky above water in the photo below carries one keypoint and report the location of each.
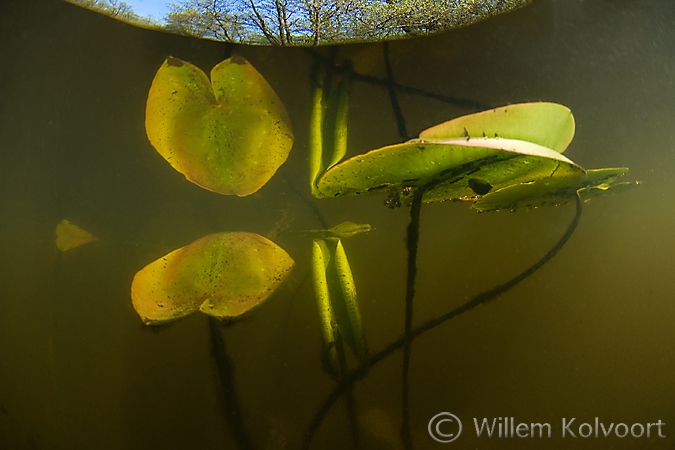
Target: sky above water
(156, 9)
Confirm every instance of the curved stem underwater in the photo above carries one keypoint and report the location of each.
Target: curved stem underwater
(482, 298)
(231, 404)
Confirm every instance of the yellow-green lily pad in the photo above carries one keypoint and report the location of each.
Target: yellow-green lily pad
(548, 124)
(459, 169)
(228, 135)
(464, 158)
(223, 275)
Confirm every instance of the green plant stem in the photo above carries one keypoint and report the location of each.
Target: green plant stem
(231, 403)
(412, 244)
(482, 298)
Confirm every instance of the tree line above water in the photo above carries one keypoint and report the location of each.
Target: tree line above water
(308, 22)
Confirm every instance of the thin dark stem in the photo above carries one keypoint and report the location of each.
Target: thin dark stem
(230, 399)
(459, 102)
(412, 244)
(482, 298)
(456, 101)
(349, 396)
(308, 202)
(393, 95)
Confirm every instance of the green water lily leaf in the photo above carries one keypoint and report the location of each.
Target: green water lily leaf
(548, 124)
(228, 135)
(457, 168)
(464, 158)
(224, 275)
(337, 301)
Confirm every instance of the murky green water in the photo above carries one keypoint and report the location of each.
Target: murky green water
(589, 335)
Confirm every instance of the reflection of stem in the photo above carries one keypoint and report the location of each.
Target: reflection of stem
(230, 401)
(479, 299)
(308, 202)
(393, 95)
(460, 102)
(349, 395)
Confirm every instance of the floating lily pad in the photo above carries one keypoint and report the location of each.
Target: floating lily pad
(454, 167)
(228, 135)
(69, 236)
(224, 275)
(465, 157)
(548, 124)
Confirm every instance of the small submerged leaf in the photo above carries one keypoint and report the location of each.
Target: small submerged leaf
(343, 230)
(70, 236)
(224, 275)
(228, 135)
(348, 229)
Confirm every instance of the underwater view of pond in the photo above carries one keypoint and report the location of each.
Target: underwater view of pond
(584, 346)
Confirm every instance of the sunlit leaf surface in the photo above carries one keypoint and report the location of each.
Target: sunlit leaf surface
(228, 135)
(458, 169)
(69, 236)
(502, 158)
(224, 275)
(548, 124)
(465, 157)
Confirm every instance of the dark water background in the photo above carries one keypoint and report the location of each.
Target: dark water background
(590, 334)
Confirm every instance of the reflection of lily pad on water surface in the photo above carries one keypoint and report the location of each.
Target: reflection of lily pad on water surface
(228, 135)
(223, 275)
(70, 236)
